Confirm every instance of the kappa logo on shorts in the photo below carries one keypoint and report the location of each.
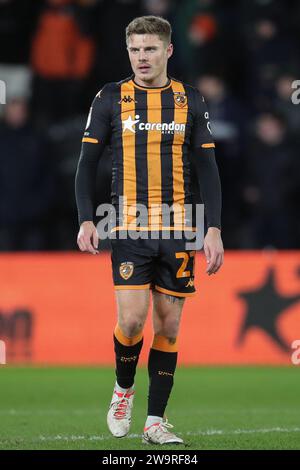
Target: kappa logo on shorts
(126, 269)
(190, 283)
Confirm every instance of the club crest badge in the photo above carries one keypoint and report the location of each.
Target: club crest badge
(180, 99)
(126, 270)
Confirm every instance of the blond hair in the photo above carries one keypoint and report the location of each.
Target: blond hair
(150, 25)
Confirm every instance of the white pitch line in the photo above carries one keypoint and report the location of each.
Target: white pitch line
(34, 412)
(212, 432)
(97, 411)
(209, 432)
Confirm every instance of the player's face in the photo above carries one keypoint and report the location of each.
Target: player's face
(149, 56)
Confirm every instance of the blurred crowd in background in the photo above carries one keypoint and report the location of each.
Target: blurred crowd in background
(242, 55)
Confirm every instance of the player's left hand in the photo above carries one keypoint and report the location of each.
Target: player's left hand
(213, 249)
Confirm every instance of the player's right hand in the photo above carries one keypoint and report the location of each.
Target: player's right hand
(88, 239)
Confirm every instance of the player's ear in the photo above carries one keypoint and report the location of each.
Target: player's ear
(170, 50)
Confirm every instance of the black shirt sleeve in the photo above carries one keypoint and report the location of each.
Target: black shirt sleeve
(203, 157)
(95, 138)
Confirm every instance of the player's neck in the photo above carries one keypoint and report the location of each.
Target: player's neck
(157, 82)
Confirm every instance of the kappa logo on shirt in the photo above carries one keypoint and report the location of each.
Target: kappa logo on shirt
(127, 99)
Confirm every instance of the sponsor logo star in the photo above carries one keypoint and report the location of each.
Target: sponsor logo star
(129, 123)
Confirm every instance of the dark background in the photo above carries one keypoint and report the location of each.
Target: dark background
(242, 55)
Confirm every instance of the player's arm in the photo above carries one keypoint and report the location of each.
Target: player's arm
(203, 156)
(94, 140)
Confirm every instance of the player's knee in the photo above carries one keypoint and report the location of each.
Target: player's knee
(170, 327)
(168, 330)
(131, 327)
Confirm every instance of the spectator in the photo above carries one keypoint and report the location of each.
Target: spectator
(283, 102)
(267, 184)
(17, 20)
(27, 184)
(227, 120)
(61, 57)
(269, 50)
(205, 37)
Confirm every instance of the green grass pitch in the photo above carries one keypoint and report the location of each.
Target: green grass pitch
(210, 407)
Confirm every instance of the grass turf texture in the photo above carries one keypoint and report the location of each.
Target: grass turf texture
(211, 408)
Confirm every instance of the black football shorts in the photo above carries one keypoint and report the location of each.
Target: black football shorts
(164, 265)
